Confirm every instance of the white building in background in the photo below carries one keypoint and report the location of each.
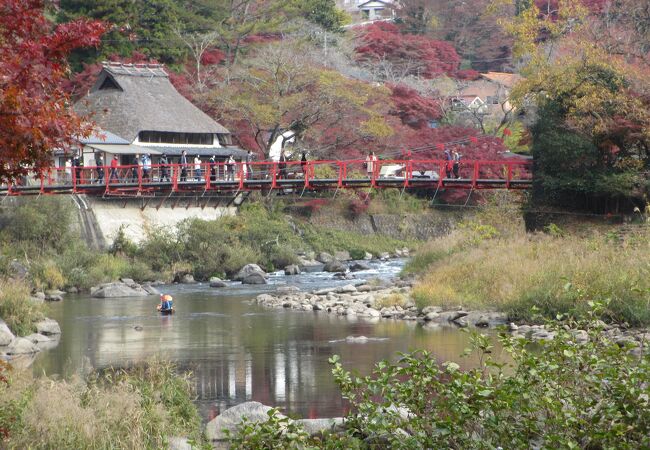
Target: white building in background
(368, 10)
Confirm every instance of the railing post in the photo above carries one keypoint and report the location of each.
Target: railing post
(308, 168)
(442, 173)
(241, 175)
(475, 174)
(509, 175)
(174, 173)
(42, 181)
(409, 173)
(74, 179)
(373, 174)
(139, 167)
(274, 175)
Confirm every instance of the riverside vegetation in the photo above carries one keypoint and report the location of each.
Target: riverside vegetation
(489, 262)
(145, 406)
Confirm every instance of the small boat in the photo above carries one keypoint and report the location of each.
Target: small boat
(166, 310)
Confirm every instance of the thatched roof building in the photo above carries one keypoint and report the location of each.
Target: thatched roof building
(139, 104)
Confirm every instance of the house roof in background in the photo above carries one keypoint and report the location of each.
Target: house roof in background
(103, 137)
(506, 79)
(127, 99)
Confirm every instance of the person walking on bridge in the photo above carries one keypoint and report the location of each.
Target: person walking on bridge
(164, 170)
(114, 175)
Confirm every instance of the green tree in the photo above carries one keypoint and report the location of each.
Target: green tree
(325, 13)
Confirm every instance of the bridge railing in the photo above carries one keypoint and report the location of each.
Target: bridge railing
(275, 175)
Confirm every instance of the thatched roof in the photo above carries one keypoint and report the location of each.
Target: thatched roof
(127, 99)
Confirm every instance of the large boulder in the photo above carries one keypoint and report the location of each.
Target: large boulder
(248, 270)
(325, 257)
(254, 278)
(6, 336)
(292, 269)
(217, 282)
(335, 266)
(115, 290)
(310, 265)
(359, 266)
(21, 346)
(150, 289)
(48, 327)
(230, 418)
(18, 270)
(188, 278)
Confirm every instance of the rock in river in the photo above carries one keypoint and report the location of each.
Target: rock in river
(48, 327)
(21, 346)
(335, 266)
(292, 269)
(114, 290)
(6, 336)
(248, 270)
(230, 418)
(359, 266)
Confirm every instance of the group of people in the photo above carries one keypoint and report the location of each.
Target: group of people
(452, 163)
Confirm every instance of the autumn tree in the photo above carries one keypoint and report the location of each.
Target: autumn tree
(35, 115)
(591, 140)
(393, 56)
(280, 88)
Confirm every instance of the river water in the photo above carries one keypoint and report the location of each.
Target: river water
(239, 351)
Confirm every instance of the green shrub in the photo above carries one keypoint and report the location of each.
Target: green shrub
(17, 310)
(46, 274)
(276, 433)
(565, 395)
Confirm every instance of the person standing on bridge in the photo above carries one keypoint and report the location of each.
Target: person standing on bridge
(146, 166)
(76, 163)
(114, 175)
(249, 164)
(456, 166)
(212, 164)
(303, 164)
(99, 162)
(282, 165)
(164, 170)
(183, 163)
(371, 160)
(197, 168)
(230, 168)
(448, 163)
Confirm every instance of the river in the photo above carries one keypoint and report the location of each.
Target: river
(239, 351)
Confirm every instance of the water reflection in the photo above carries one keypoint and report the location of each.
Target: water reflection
(238, 351)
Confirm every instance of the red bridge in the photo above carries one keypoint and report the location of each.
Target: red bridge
(166, 180)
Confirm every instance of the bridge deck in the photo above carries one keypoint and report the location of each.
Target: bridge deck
(156, 180)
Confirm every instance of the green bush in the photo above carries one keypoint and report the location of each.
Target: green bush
(16, 308)
(46, 274)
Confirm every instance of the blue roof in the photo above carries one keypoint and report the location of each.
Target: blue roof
(103, 137)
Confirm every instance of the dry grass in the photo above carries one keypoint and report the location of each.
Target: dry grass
(136, 409)
(554, 274)
(394, 299)
(16, 309)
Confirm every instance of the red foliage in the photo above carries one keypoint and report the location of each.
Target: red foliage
(360, 204)
(212, 57)
(413, 109)
(34, 115)
(413, 54)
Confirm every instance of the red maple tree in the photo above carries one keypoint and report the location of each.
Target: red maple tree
(409, 54)
(35, 113)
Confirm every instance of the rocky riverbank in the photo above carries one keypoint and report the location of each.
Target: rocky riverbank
(23, 348)
(375, 301)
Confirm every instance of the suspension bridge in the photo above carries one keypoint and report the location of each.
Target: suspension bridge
(297, 177)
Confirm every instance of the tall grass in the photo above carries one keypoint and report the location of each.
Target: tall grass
(552, 274)
(16, 308)
(139, 408)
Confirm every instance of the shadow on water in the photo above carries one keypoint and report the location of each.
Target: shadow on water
(239, 351)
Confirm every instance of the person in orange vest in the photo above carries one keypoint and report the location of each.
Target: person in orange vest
(166, 302)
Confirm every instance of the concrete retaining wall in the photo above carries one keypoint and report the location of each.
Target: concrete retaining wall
(137, 221)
